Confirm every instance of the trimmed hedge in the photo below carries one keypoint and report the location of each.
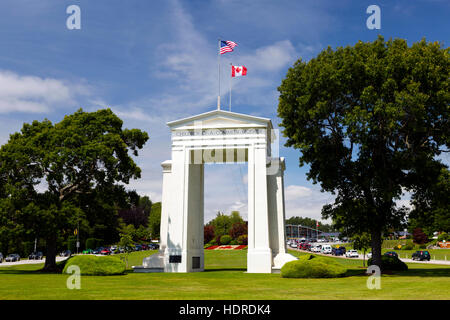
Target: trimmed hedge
(313, 267)
(96, 266)
(390, 263)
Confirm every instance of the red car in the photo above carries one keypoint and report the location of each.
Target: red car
(105, 252)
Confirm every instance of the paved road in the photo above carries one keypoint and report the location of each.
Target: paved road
(26, 261)
(441, 262)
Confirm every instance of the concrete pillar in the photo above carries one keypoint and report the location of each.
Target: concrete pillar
(277, 229)
(259, 256)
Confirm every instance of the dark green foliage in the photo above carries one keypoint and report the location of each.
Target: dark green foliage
(225, 239)
(389, 263)
(84, 161)
(370, 121)
(313, 267)
(72, 244)
(223, 224)
(431, 202)
(97, 266)
(311, 223)
(91, 243)
(154, 221)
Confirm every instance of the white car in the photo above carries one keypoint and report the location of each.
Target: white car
(352, 254)
(316, 248)
(326, 249)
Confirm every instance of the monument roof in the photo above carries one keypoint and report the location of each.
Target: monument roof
(221, 119)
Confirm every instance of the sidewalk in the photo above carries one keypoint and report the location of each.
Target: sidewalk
(26, 261)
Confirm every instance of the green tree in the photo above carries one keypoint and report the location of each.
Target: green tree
(84, 156)
(366, 119)
(126, 242)
(154, 222)
(431, 204)
(223, 223)
(361, 242)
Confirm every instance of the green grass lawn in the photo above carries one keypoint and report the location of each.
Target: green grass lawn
(225, 278)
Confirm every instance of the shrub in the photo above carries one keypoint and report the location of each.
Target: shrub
(313, 267)
(242, 240)
(390, 263)
(96, 266)
(225, 239)
(423, 246)
(408, 246)
(233, 242)
(213, 242)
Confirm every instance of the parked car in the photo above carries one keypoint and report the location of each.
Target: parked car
(352, 254)
(105, 251)
(65, 253)
(304, 246)
(369, 255)
(13, 257)
(153, 246)
(391, 254)
(1, 257)
(421, 255)
(338, 251)
(316, 248)
(36, 256)
(326, 248)
(97, 250)
(293, 244)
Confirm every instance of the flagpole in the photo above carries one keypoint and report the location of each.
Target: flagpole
(218, 62)
(230, 85)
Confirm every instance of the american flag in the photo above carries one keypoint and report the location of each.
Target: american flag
(227, 46)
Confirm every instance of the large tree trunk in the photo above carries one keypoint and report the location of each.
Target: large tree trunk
(50, 257)
(376, 247)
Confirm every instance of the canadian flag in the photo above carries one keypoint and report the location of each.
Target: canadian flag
(237, 71)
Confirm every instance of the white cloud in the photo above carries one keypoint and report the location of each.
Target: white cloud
(25, 93)
(305, 202)
(294, 192)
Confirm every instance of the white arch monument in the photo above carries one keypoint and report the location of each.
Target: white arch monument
(220, 137)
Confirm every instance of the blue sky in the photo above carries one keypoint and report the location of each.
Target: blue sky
(156, 61)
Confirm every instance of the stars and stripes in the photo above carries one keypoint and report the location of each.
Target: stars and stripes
(227, 46)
